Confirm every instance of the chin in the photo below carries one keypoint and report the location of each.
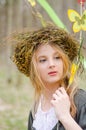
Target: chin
(53, 81)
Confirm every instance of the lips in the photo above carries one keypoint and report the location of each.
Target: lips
(52, 73)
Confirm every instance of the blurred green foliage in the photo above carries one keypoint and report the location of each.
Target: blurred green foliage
(15, 103)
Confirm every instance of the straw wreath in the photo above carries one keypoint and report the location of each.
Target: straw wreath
(29, 41)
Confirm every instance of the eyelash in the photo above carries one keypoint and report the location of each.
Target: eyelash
(57, 57)
(42, 60)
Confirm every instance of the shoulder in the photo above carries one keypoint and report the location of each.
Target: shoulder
(80, 98)
(34, 109)
(80, 101)
(30, 121)
(32, 115)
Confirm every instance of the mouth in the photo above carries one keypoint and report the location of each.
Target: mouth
(52, 73)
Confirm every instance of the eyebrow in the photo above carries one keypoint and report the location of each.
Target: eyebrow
(43, 56)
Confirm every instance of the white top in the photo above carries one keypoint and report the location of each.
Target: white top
(45, 120)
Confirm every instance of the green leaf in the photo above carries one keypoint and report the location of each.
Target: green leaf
(84, 63)
(51, 13)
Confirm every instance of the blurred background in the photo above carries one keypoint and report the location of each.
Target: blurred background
(16, 91)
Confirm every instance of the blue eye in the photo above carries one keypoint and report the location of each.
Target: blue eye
(42, 60)
(57, 57)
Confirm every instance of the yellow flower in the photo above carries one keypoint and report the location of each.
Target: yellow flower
(32, 2)
(74, 68)
(79, 21)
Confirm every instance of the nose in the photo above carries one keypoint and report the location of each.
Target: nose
(51, 63)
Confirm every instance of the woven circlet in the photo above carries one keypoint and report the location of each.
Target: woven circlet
(29, 41)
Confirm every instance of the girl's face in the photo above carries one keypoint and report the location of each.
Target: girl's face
(49, 64)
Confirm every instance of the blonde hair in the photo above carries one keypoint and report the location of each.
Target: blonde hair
(29, 41)
(38, 84)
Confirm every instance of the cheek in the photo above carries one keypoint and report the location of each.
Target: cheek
(40, 69)
(41, 73)
(61, 67)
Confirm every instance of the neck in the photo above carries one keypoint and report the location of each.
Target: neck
(50, 89)
(47, 95)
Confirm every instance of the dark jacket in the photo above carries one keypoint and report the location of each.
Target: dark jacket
(80, 118)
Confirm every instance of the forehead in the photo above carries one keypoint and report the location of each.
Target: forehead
(46, 49)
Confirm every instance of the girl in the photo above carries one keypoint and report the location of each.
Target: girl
(46, 56)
